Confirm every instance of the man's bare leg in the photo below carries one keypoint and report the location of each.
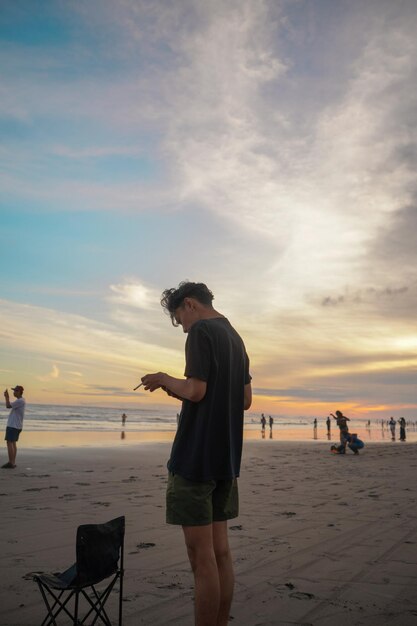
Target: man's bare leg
(225, 569)
(199, 542)
(12, 451)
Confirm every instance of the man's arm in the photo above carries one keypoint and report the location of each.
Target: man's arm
(247, 396)
(192, 389)
(6, 397)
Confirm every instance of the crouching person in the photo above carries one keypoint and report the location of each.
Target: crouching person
(354, 443)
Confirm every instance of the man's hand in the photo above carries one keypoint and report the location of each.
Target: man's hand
(151, 382)
(191, 389)
(7, 399)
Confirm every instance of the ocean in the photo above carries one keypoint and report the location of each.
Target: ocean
(50, 417)
(77, 419)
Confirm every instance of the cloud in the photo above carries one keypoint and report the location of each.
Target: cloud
(305, 393)
(282, 137)
(77, 339)
(394, 247)
(362, 296)
(134, 294)
(53, 374)
(105, 391)
(221, 91)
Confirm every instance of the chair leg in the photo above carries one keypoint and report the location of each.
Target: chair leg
(121, 598)
(52, 613)
(76, 608)
(97, 605)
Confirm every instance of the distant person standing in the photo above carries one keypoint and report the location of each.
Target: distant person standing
(124, 416)
(271, 422)
(14, 423)
(263, 422)
(328, 424)
(392, 425)
(341, 421)
(402, 424)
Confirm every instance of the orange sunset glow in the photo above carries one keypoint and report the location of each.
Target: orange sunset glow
(263, 149)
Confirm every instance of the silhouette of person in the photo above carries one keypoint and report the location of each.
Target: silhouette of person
(402, 424)
(124, 416)
(392, 425)
(341, 421)
(202, 490)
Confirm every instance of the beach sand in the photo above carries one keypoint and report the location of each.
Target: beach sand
(321, 539)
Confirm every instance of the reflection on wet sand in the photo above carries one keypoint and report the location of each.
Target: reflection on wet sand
(90, 438)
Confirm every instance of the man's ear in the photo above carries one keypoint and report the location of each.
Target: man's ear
(189, 303)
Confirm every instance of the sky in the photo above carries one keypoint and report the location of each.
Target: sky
(265, 147)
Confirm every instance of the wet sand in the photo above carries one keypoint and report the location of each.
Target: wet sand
(321, 539)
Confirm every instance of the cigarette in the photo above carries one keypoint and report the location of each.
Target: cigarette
(138, 386)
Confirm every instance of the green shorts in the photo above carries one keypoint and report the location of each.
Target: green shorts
(191, 503)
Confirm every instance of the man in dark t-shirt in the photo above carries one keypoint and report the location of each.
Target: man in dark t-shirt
(206, 454)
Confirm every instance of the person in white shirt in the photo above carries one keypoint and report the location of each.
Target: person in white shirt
(14, 423)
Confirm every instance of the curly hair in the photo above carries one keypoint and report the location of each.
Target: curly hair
(173, 298)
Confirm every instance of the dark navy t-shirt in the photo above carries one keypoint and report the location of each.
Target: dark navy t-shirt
(208, 443)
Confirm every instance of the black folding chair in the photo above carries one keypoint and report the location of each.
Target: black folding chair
(99, 548)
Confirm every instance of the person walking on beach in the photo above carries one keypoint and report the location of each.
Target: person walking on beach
(341, 421)
(202, 492)
(14, 423)
(392, 426)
